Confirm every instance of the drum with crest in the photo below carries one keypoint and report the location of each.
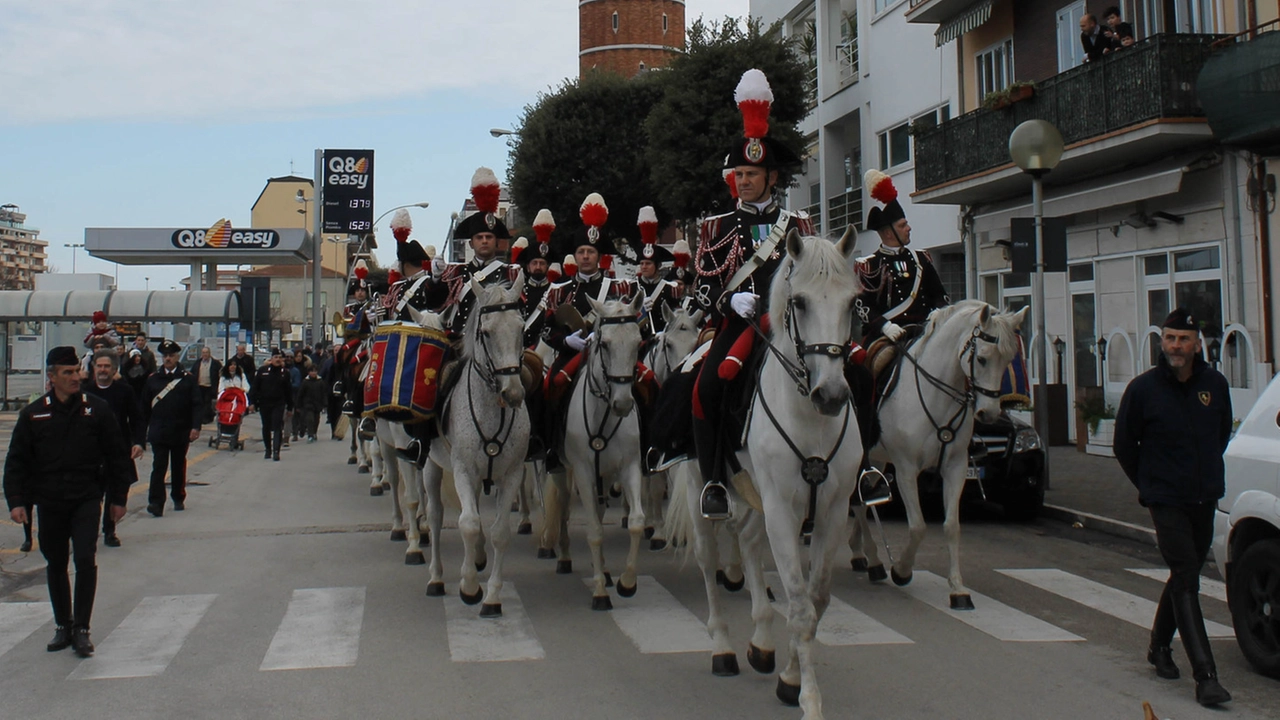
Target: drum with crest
(403, 376)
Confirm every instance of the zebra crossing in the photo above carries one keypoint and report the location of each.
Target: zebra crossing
(321, 627)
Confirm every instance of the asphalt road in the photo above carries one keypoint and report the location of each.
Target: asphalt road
(278, 594)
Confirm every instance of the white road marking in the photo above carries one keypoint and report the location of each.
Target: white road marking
(147, 640)
(656, 622)
(1104, 599)
(321, 628)
(476, 639)
(18, 620)
(1209, 587)
(842, 624)
(989, 615)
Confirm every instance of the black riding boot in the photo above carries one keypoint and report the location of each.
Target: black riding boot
(1186, 608)
(715, 497)
(1160, 654)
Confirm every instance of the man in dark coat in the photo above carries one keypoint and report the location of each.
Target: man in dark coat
(171, 402)
(313, 396)
(133, 430)
(66, 452)
(1171, 431)
(272, 393)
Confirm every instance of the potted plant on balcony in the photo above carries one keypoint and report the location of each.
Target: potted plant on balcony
(1099, 417)
(1016, 92)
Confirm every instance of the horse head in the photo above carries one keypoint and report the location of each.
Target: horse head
(811, 311)
(617, 345)
(679, 338)
(495, 339)
(989, 350)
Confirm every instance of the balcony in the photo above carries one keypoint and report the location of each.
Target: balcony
(843, 210)
(1240, 91)
(847, 53)
(1134, 106)
(937, 12)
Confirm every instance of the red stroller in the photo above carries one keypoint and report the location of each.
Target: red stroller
(231, 407)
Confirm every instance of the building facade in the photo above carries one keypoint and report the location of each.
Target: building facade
(22, 252)
(628, 37)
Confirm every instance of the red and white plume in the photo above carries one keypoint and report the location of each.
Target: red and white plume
(394, 276)
(754, 98)
(401, 225)
(485, 190)
(554, 272)
(362, 269)
(606, 262)
(880, 186)
(569, 265)
(731, 181)
(543, 225)
(681, 252)
(593, 211)
(648, 224)
(520, 244)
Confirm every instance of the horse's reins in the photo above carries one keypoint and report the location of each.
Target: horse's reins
(493, 446)
(597, 439)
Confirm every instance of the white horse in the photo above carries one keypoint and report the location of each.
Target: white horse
(406, 491)
(804, 455)
(602, 440)
(945, 379)
(484, 440)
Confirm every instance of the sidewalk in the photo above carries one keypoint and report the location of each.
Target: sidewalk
(1094, 492)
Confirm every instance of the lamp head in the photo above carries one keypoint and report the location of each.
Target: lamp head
(1036, 146)
(299, 197)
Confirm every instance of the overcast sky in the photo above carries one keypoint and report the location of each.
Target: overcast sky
(156, 113)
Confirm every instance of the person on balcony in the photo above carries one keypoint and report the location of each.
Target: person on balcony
(1116, 29)
(1095, 42)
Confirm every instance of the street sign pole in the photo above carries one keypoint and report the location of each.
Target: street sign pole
(317, 205)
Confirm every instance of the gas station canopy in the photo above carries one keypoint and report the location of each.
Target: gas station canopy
(218, 245)
(127, 305)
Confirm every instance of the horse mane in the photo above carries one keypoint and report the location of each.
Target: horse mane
(939, 317)
(821, 264)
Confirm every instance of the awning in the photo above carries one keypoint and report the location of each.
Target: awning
(129, 305)
(1157, 180)
(968, 19)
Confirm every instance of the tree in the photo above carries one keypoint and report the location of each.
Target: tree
(587, 136)
(694, 125)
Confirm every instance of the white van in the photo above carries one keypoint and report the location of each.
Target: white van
(1246, 534)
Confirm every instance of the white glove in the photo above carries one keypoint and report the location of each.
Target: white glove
(576, 342)
(744, 304)
(892, 330)
(375, 314)
(438, 266)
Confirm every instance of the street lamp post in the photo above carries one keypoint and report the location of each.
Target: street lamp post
(1036, 147)
(73, 247)
(364, 239)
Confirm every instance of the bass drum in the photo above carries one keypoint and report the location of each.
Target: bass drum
(403, 376)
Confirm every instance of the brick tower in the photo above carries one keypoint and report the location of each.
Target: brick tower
(628, 36)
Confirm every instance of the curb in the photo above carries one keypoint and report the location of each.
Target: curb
(1119, 528)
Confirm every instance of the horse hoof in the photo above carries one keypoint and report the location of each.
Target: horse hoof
(525, 529)
(961, 601)
(491, 610)
(626, 522)
(601, 602)
(470, 599)
(768, 591)
(546, 554)
(608, 580)
(899, 580)
(762, 661)
(789, 694)
(564, 567)
(362, 470)
(656, 545)
(375, 491)
(386, 485)
(351, 461)
(414, 558)
(398, 536)
(435, 589)
(734, 586)
(724, 665)
(877, 573)
(625, 591)
(480, 566)
(859, 564)
(648, 533)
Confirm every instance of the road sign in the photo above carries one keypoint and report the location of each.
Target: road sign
(348, 191)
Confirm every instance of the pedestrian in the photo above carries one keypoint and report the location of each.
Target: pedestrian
(272, 393)
(207, 370)
(330, 372)
(295, 365)
(1171, 431)
(312, 397)
(232, 377)
(66, 452)
(135, 371)
(171, 403)
(148, 357)
(245, 361)
(133, 431)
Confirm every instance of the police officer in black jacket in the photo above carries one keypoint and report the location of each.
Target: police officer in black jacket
(1171, 431)
(65, 453)
(172, 404)
(272, 393)
(133, 431)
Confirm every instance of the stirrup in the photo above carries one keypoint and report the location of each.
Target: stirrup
(349, 407)
(658, 461)
(873, 489)
(714, 502)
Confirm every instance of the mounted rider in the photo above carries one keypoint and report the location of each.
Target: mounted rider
(535, 260)
(658, 292)
(482, 230)
(357, 327)
(737, 255)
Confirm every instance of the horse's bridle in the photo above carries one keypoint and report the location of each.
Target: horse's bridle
(798, 370)
(604, 366)
(598, 440)
(488, 373)
(492, 446)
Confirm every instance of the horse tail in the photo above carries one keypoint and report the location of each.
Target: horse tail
(550, 512)
(678, 525)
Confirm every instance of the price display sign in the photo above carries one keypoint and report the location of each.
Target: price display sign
(348, 191)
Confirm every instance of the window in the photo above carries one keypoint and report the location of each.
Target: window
(275, 301)
(324, 300)
(1195, 283)
(895, 146)
(664, 23)
(1080, 273)
(615, 22)
(882, 5)
(994, 69)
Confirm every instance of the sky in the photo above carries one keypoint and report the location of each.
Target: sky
(154, 113)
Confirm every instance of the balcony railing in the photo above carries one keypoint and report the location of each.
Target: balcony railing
(1154, 79)
(847, 53)
(843, 210)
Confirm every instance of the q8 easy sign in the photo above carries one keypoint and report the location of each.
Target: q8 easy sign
(348, 191)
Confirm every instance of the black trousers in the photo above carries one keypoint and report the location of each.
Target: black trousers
(710, 393)
(172, 458)
(272, 427)
(207, 393)
(67, 526)
(1184, 534)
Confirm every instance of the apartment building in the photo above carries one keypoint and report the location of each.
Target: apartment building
(22, 252)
